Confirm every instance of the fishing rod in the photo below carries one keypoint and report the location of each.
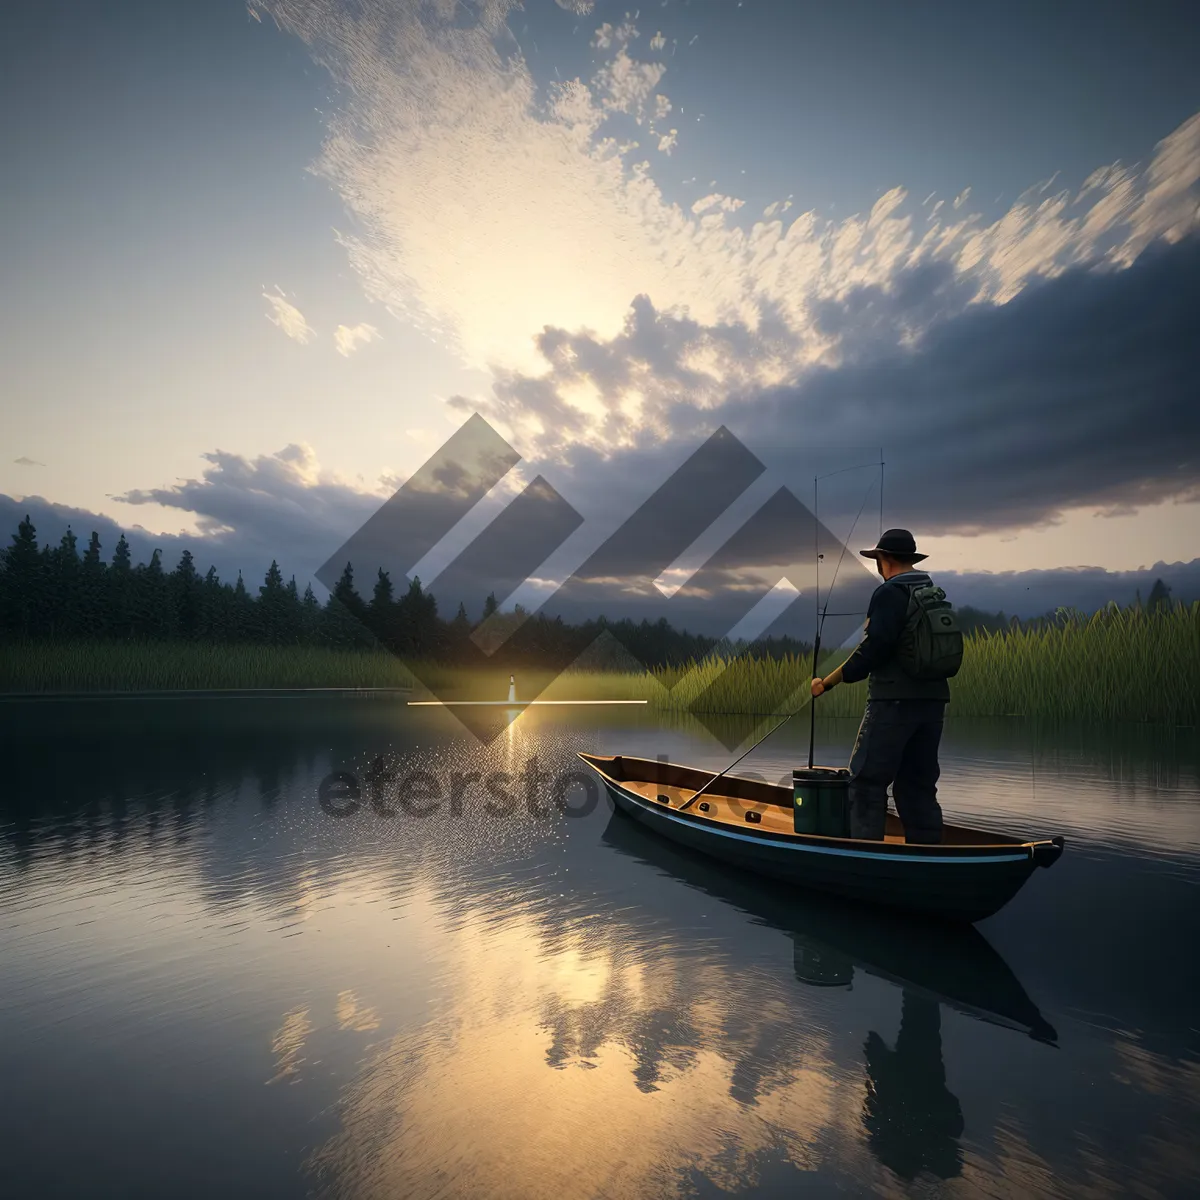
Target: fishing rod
(812, 716)
(697, 794)
(820, 625)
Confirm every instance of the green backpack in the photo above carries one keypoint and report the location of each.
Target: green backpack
(931, 643)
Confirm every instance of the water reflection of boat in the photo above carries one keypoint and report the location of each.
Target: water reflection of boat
(955, 965)
(970, 875)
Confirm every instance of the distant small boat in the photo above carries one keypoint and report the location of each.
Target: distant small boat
(970, 875)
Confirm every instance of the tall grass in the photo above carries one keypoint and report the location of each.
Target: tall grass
(184, 666)
(1116, 665)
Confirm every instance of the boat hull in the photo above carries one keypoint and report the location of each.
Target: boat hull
(952, 883)
(951, 963)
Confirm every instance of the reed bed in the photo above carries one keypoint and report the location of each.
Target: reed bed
(1117, 664)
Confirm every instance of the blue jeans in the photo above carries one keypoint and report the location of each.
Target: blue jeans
(897, 743)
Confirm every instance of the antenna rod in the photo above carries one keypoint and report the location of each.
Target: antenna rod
(881, 491)
(822, 613)
(820, 623)
(812, 704)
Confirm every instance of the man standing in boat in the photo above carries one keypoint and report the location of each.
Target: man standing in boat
(901, 728)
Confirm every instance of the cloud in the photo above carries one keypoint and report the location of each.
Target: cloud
(349, 337)
(668, 141)
(1163, 202)
(279, 505)
(287, 316)
(716, 202)
(28, 462)
(248, 511)
(625, 85)
(608, 35)
(244, 549)
(580, 8)
(463, 177)
(480, 201)
(1078, 392)
(636, 387)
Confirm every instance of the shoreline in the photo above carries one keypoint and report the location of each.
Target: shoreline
(395, 693)
(239, 693)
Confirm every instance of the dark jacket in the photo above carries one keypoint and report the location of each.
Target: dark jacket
(875, 655)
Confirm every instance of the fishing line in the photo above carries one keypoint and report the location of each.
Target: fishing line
(838, 567)
(812, 715)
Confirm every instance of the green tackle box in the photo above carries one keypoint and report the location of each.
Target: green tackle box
(821, 801)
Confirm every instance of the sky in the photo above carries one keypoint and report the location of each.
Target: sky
(261, 260)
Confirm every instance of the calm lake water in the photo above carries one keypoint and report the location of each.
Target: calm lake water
(212, 986)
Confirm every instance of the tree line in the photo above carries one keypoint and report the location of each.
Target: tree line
(974, 620)
(58, 593)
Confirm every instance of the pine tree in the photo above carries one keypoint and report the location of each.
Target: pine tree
(458, 635)
(64, 614)
(344, 620)
(310, 617)
(214, 607)
(490, 605)
(271, 601)
(187, 597)
(120, 588)
(22, 583)
(293, 613)
(154, 613)
(381, 614)
(339, 627)
(1160, 596)
(347, 596)
(417, 635)
(93, 600)
(241, 613)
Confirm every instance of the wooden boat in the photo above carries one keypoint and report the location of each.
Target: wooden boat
(970, 875)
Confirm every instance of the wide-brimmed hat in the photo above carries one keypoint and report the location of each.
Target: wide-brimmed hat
(897, 542)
